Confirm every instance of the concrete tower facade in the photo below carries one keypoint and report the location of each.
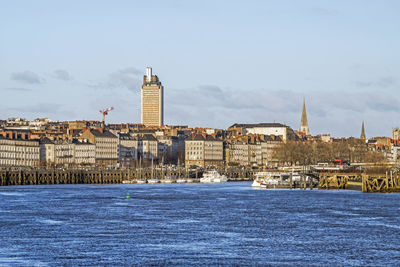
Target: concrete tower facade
(304, 123)
(152, 100)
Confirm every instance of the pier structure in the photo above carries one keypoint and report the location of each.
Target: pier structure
(55, 176)
(367, 183)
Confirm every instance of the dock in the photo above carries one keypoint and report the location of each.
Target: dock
(128, 176)
(367, 183)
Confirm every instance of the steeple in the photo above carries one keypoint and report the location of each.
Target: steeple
(363, 132)
(304, 123)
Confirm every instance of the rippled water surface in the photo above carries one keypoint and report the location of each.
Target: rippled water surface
(193, 224)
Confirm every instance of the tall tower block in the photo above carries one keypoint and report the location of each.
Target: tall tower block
(304, 123)
(152, 100)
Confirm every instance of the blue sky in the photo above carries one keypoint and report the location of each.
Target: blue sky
(221, 62)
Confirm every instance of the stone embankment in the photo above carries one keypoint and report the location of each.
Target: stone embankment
(40, 176)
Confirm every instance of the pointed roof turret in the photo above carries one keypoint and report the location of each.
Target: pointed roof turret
(304, 123)
(363, 136)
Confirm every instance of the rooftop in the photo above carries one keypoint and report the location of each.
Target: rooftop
(255, 125)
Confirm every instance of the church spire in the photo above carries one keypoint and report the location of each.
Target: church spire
(363, 136)
(304, 123)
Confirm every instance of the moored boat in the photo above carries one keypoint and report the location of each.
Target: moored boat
(257, 182)
(213, 177)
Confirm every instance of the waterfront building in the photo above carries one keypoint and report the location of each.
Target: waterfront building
(204, 151)
(268, 147)
(63, 153)
(304, 122)
(84, 153)
(27, 153)
(148, 147)
(127, 150)
(251, 150)
(237, 153)
(152, 100)
(255, 156)
(7, 152)
(170, 147)
(106, 146)
(46, 152)
(19, 152)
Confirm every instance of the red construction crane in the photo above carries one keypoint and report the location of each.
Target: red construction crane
(105, 112)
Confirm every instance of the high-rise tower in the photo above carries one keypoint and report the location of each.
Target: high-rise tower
(152, 100)
(304, 123)
(363, 136)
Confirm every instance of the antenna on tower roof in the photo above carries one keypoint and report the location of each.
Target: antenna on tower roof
(148, 74)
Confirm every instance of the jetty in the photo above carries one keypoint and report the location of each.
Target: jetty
(128, 176)
(388, 182)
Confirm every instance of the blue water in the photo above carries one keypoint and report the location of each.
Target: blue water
(195, 224)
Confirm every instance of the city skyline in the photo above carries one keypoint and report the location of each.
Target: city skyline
(249, 69)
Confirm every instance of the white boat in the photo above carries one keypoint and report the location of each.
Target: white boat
(167, 181)
(153, 181)
(181, 180)
(189, 180)
(213, 177)
(141, 181)
(257, 183)
(268, 179)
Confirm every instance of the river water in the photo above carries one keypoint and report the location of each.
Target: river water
(195, 224)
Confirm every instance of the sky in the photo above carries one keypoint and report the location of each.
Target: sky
(220, 62)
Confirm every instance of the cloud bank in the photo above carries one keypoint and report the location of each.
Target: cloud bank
(62, 75)
(28, 77)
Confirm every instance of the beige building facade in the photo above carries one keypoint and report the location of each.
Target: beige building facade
(66, 153)
(204, 151)
(7, 152)
(19, 153)
(127, 150)
(84, 154)
(106, 145)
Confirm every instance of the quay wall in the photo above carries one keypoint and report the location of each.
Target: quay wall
(44, 177)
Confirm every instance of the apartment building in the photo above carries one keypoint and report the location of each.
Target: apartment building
(204, 151)
(127, 150)
(251, 150)
(84, 153)
(148, 147)
(19, 152)
(106, 146)
(7, 152)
